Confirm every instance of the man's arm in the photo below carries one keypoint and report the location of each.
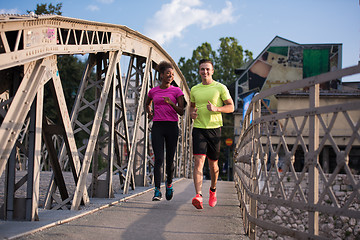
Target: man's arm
(193, 110)
(227, 108)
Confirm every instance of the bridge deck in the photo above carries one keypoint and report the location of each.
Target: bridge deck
(137, 217)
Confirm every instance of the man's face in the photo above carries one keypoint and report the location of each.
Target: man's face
(206, 71)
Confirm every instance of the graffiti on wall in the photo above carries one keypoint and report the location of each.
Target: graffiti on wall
(284, 61)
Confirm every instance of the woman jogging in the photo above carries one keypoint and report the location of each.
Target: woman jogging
(168, 103)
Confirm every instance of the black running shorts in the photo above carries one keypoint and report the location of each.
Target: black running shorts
(207, 142)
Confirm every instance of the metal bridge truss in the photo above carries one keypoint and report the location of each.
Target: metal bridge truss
(312, 194)
(123, 62)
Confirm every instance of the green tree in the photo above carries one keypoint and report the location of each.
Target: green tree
(230, 57)
(44, 8)
(190, 67)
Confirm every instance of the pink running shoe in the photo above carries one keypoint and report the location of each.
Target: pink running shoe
(197, 201)
(212, 198)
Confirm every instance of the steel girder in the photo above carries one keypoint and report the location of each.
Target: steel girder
(118, 134)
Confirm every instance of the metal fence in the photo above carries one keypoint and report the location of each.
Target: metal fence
(297, 169)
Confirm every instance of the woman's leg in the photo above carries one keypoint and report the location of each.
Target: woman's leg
(157, 140)
(171, 140)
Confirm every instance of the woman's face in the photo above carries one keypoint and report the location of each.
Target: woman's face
(168, 76)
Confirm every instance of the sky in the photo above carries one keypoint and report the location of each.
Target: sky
(180, 26)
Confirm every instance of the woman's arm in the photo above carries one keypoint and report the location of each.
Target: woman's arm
(179, 108)
(148, 108)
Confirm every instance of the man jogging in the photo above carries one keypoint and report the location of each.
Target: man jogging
(209, 99)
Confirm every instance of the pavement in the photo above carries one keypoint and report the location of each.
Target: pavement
(51, 218)
(135, 216)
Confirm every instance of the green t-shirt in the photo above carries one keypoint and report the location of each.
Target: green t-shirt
(200, 94)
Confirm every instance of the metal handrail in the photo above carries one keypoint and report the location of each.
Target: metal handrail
(276, 197)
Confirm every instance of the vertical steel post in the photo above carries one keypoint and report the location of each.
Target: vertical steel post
(111, 141)
(256, 113)
(10, 186)
(33, 179)
(312, 159)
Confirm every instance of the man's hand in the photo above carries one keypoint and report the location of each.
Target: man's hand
(211, 107)
(194, 114)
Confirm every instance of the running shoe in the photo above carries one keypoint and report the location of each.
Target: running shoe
(169, 192)
(212, 198)
(157, 195)
(197, 201)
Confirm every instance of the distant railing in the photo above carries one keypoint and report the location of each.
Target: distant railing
(294, 174)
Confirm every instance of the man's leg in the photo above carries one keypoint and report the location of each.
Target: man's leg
(199, 150)
(197, 201)
(214, 172)
(198, 172)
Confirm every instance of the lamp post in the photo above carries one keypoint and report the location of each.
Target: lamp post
(228, 143)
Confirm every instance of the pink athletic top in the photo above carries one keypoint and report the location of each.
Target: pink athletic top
(162, 110)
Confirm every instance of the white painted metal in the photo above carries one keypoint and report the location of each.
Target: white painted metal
(33, 47)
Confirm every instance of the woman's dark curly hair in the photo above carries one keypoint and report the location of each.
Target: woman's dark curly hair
(163, 66)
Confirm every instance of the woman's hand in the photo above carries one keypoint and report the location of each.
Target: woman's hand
(168, 100)
(150, 115)
(149, 111)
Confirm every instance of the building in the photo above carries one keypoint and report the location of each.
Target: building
(284, 61)
(339, 127)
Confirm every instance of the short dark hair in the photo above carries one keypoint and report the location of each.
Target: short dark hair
(163, 65)
(206, 61)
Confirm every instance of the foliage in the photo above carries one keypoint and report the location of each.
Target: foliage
(43, 8)
(70, 71)
(190, 67)
(228, 57)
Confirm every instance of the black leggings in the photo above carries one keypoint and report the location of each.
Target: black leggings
(168, 132)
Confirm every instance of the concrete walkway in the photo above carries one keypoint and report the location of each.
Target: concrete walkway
(137, 217)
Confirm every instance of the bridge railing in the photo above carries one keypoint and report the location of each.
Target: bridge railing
(297, 169)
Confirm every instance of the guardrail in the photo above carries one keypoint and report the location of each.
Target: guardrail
(294, 170)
